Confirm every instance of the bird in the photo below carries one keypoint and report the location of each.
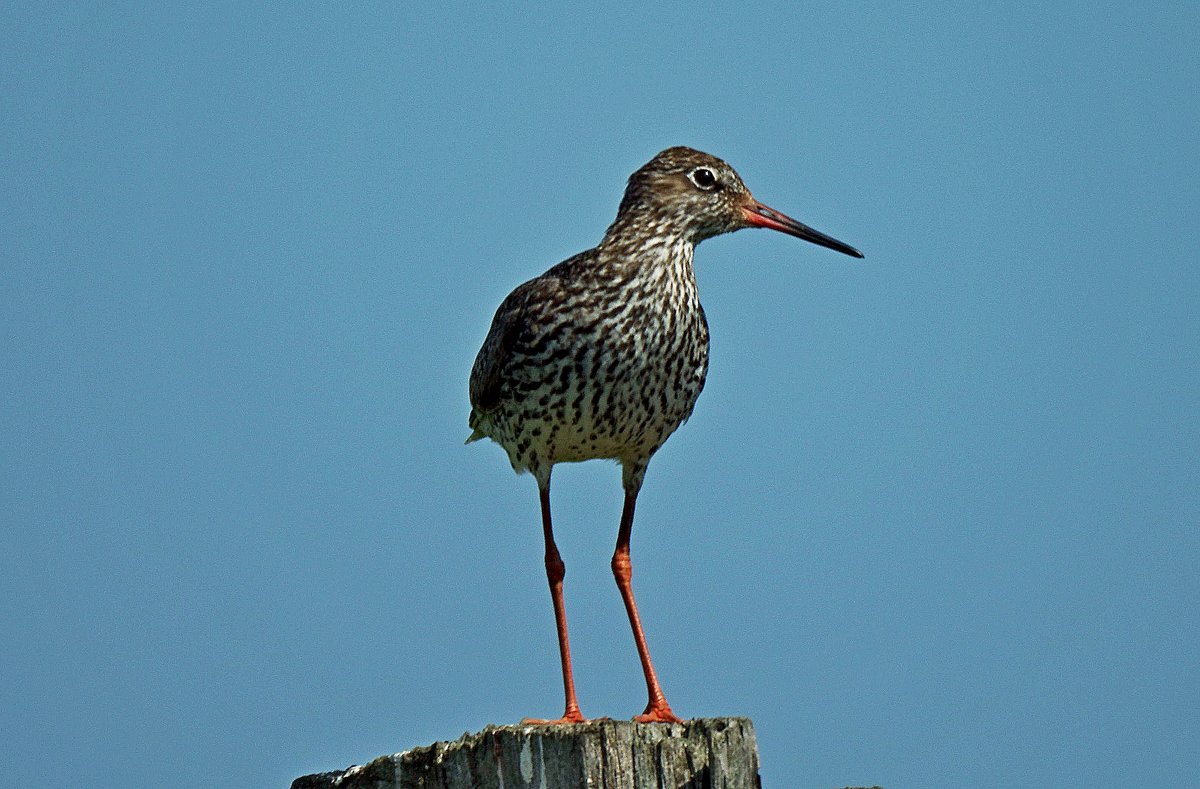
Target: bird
(604, 355)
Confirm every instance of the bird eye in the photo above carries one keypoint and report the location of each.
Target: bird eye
(703, 178)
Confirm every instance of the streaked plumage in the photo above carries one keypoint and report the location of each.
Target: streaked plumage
(605, 354)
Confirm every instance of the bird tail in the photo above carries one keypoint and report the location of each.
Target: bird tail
(476, 425)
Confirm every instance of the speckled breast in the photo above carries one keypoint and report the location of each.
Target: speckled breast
(612, 387)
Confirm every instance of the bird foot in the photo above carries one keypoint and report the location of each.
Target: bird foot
(570, 716)
(658, 713)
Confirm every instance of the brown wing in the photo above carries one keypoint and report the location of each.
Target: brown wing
(520, 324)
(488, 374)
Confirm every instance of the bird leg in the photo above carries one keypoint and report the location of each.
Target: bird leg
(657, 709)
(555, 572)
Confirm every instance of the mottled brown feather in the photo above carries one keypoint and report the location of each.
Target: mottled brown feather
(605, 354)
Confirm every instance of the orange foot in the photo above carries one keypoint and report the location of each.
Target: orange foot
(570, 716)
(658, 713)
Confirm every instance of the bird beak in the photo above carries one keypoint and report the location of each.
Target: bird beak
(759, 215)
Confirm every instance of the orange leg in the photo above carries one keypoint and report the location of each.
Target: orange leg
(657, 709)
(555, 572)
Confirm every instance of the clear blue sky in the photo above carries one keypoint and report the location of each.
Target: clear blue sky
(933, 523)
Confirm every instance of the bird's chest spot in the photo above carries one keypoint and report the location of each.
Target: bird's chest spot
(616, 377)
(636, 382)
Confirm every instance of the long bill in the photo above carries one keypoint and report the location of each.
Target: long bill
(759, 215)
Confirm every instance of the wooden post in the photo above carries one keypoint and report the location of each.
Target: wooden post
(707, 753)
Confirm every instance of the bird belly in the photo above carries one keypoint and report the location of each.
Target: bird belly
(623, 409)
(613, 389)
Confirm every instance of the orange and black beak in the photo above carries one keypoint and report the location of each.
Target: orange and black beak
(759, 215)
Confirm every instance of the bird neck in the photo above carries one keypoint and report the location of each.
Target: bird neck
(636, 225)
(654, 253)
(645, 234)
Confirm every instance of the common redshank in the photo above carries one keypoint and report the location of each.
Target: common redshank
(605, 354)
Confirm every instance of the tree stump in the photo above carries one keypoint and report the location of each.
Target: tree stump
(707, 753)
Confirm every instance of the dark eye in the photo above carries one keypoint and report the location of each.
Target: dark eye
(703, 178)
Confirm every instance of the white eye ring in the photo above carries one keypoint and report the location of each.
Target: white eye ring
(704, 179)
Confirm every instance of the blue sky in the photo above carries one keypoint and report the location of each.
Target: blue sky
(933, 523)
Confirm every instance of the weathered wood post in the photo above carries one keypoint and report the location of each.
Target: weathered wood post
(707, 753)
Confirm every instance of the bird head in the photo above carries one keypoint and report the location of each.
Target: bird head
(701, 196)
